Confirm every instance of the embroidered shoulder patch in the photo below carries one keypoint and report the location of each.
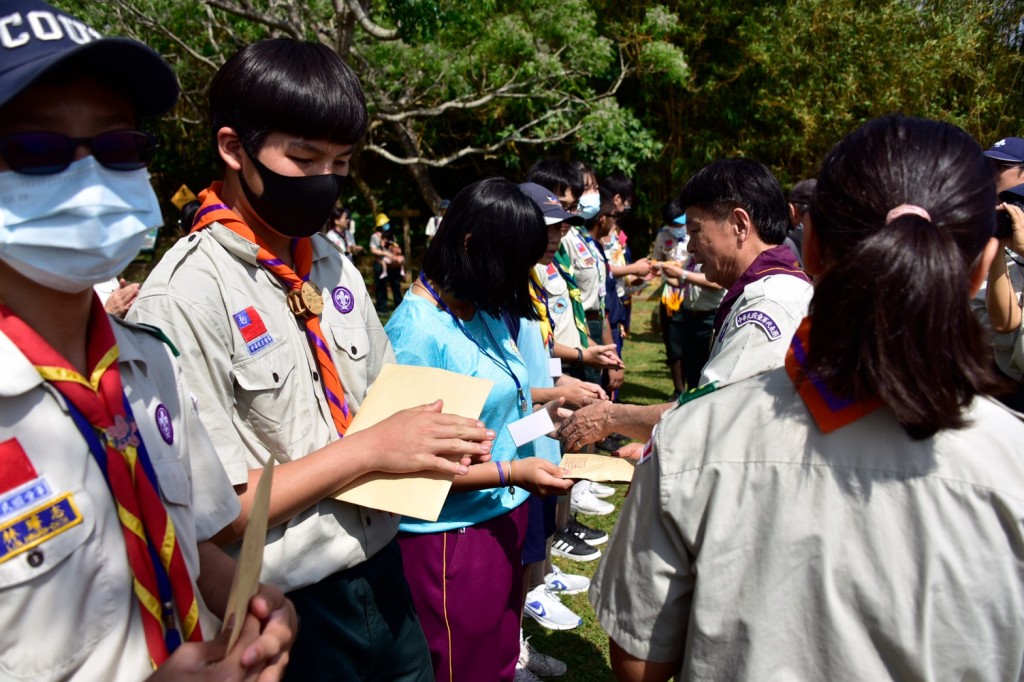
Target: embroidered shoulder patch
(766, 323)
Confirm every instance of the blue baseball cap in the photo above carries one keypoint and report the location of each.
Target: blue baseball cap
(35, 38)
(549, 205)
(680, 219)
(1008, 149)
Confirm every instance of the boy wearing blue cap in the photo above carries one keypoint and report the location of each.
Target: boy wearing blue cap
(109, 487)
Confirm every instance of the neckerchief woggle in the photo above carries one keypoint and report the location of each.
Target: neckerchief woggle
(100, 411)
(213, 210)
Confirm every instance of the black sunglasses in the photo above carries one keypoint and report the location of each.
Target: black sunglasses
(45, 153)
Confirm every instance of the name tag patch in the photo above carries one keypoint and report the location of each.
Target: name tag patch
(37, 526)
(254, 332)
(758, 318)
(32, 493)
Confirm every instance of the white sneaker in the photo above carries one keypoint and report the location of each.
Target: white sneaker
(601, 490)
(566, 583)
(544, 607)
(537, 663)
(582, 501)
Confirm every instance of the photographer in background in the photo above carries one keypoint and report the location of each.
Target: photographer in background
(1001, 298)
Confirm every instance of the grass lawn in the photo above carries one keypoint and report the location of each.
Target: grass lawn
(585, 649)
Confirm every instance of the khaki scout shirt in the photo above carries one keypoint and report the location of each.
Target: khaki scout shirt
(66, 604)
(587, 267)
(260, 396)
(560, 314)
(754, 547)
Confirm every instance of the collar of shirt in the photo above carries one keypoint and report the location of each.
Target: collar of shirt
(774, 261)
(246, 251)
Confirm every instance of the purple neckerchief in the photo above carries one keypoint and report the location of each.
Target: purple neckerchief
(776, 260)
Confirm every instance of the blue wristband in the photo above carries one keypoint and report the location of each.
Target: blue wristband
(501, 474)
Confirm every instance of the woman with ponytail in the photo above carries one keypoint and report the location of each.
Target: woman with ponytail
(858, 513)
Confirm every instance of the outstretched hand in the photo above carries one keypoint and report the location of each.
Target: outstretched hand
(423, 439)
(586, 425)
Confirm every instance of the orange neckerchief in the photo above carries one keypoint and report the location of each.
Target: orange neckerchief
(828, 410)
(119, 451)
(214, 210)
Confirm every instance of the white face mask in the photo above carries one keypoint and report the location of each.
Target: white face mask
(590, 204)
(77, 228)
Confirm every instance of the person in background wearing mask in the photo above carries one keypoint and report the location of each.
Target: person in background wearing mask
(109, 486)
(389, 266)
(280, 343)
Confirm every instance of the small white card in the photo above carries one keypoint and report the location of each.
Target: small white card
(529, 429)
(555, 367)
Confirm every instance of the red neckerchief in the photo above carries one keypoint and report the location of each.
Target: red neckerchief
(147, 529)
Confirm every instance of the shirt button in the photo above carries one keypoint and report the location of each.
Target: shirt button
(316, 377)
(191, 237)
(369, 521)
(35, 559)
(276, 378)
(354, 350)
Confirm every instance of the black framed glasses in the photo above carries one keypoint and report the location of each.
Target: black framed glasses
(46, 153)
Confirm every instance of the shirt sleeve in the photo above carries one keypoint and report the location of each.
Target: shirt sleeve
(207, 365)
(642, 590)
(754, 340)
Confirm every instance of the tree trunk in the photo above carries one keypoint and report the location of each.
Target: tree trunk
(410, 145)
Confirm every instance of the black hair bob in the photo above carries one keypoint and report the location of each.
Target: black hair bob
(290, 86)
(557, 176)
(724, 185)
(490, 238)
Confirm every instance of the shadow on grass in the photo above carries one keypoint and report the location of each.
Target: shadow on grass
(586, 662)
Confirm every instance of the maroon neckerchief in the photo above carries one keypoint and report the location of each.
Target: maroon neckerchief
(776, 260)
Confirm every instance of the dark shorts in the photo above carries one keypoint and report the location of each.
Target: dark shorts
(539, 528)
(467, 585)
(359, 624)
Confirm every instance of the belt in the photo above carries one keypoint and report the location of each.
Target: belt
(593, 314)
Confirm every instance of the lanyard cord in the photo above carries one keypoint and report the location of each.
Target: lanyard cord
(172, 638)
(502, 364)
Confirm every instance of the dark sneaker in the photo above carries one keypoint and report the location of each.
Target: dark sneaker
(568, 546)
(591, 536)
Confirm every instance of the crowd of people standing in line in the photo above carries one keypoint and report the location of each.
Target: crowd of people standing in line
(801, 508)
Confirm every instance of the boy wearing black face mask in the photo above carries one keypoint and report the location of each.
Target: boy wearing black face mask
(280, 342)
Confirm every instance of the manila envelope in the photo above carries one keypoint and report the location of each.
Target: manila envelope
(399, 387)
(246, 582)
(600, 468)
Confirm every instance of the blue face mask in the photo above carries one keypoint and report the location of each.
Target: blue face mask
(677, 232)
(590, 204)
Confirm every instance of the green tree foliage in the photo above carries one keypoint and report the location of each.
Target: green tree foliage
(459, 89)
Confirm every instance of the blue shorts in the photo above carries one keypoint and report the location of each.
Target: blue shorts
(539, 527)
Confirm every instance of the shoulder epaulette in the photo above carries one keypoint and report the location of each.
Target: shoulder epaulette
(695, 393)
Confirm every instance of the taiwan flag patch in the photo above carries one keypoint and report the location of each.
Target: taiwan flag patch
(552, 271)
(254, 332)
(581, 248)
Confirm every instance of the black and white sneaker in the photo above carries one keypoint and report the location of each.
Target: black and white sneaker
(568, 546)
(591, 536)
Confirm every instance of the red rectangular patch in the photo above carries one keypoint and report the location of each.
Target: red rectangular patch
(15, 467)
(250, 324)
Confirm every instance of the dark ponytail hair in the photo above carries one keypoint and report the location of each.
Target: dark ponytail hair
(490, 239)
(891, 316)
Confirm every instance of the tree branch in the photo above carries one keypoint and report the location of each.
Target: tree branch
(146, 21)
(378, 32)
(258, 17)
(516, 137)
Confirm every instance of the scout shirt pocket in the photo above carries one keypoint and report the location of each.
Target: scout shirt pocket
(350, 354)
(57, 588)
(267, 400)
